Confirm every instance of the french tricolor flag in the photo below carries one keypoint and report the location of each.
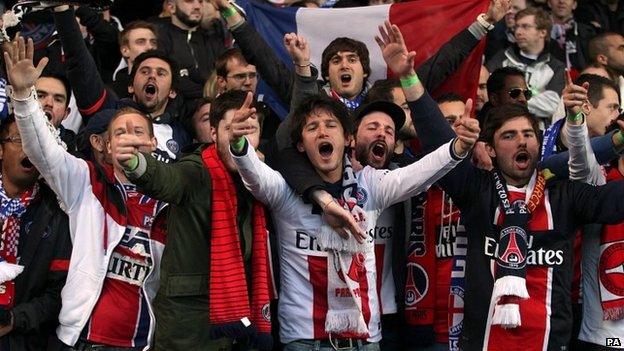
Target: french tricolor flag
(425, 24)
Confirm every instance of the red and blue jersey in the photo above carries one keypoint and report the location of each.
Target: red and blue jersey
(122, 316)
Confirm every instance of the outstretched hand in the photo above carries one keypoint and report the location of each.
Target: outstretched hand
(394, 50)
(241, 122)
(467, 130)
(21, 71)
(342, 222)
(574, 96)
(127, 145)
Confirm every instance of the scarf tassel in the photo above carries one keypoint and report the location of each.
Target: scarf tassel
(9, 271)
(509, 289)
(507, 315)
(346, 321)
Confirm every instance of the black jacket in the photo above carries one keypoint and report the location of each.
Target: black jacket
(92, 95)
(571, 204)
(195, 52)
(44, 249)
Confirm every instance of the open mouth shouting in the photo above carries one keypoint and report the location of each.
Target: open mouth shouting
(326, 150)
(150, 90)
(522, 160)
(345, 79)
(27, 165)
(48, 113)
(378, 151)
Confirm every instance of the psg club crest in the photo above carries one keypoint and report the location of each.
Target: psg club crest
(356, 269)
(514, 241)
(612, 270)
(456, 311)
(417, 284)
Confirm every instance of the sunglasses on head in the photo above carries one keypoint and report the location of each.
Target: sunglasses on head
(515, 93)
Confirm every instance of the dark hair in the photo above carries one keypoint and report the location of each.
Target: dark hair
(130, 110)
(230, 100)
(345, 44)
(4, 125)
(499, 115)
(382, 90)
(319, 103)
(496, 81)
(449, 97)
(597, 84)
(175, 73)
(599, 45)
(63, 79)
(542, 19)
(125, 33)
(225, 57)
(188, 122)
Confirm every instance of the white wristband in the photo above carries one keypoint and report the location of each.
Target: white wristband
(482, 21)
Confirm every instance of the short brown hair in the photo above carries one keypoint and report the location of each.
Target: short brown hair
(123, 35)
(599, 45)
(127, 111)
(224, 58)
(542, 19)
(499, 115)
(319, 103)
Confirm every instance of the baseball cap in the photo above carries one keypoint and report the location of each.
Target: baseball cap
(391, 109)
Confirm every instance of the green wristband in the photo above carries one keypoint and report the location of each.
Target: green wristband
(410, 81)
(577, 117)
(228, 12)
(618, 138)
(238, 145)
(133, 164)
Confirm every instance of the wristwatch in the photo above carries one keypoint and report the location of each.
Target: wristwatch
(482, 21)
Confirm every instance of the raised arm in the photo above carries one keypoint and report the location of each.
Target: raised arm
(257, 52)
(433, 130)
(86, 82)
(582, 163)
(451, 55)
(174, 183)
(264, 183)
(67, 175)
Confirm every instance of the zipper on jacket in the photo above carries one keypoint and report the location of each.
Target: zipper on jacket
(189, 35)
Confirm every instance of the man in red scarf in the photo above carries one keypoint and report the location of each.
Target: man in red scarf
(216, 279)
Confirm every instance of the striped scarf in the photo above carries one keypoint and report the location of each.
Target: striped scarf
(233, 313)
(11, 209)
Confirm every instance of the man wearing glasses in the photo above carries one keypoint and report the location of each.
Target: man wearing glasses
(543, 73)
(235, 73)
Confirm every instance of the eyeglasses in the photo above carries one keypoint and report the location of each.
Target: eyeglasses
(12, 139)
(515, 93)
(241, 77)
(524, 26)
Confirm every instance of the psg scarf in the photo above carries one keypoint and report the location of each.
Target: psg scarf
(345, 267)
(233, 312)
(11, 210)
(510, 284)
(610, 265)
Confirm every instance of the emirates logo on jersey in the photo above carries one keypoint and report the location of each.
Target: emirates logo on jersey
(612, 269)
(513, 239)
